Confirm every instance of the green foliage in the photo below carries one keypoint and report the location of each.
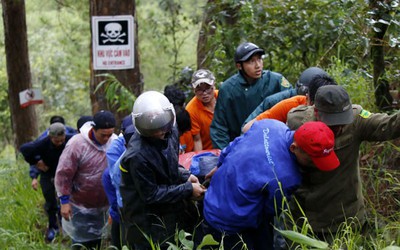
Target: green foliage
(59, 59)
(304, 239)
(116, 93)
(183, 243)
(296, 34)
(58, 39)
(167, 41)
(358, 83)
(5, 124)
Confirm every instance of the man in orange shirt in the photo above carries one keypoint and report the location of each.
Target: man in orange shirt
(201, 108)
(309, 82)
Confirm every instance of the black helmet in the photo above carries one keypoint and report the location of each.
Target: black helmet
(306, 77)
(246, 50)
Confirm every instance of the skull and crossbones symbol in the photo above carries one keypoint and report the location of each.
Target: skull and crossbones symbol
(113, 33)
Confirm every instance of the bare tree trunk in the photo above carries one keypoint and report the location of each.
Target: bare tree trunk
(208, 26)
(205, 31)
(23, 120)
(382, 94)
(130, 78)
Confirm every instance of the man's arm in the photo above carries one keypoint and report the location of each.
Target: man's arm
(279, 111)
(33, 172)
(377, 126)
(66, 169)
(32, 150)
(269, 102)
(198, 145)
(221, 158)
(219, 130)
(151, 191)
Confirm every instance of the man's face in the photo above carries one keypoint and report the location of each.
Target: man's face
(159, 134)
(204, 92)
(102, 135)
(253, 67)
(57, 140)
(302, 157)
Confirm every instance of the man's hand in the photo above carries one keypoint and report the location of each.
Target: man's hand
(198, 191)
(41, 166)
(34, 184)
(193, 179)
(211, 173)
(66, 211)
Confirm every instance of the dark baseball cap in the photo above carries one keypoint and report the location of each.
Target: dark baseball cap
(334, 105)
(103, 119)
(82, 120)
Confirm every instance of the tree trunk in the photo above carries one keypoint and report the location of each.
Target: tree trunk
(23, 120)
(205, 31)
(382, 94)
(209, 24)
(130, 78)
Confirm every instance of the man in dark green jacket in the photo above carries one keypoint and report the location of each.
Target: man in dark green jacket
(329, 198)
(242, 93)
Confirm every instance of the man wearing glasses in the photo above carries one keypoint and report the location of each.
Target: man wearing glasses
(201, 108)
(240, 94)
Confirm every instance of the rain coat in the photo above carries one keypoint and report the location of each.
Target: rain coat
(254, 173)
(78, 176)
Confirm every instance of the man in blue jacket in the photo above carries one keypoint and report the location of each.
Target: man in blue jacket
(34, 172)
(45, 153)
(255, 172)
(242, 93)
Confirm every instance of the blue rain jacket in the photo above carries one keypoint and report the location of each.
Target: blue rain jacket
(251, 171)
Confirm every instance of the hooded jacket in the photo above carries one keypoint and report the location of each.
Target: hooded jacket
(80, 170)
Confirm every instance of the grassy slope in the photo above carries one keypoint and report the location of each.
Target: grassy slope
(23, 222)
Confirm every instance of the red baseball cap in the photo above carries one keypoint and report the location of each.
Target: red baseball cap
(318, 140)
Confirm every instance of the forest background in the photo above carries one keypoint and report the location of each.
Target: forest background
(343, 37)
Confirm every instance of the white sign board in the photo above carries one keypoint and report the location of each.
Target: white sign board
(112, 41)
(29, 97)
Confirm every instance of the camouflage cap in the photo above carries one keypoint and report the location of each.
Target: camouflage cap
(202, 76)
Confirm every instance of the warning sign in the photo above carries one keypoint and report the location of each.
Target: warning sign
(29, 97)
(113, 42)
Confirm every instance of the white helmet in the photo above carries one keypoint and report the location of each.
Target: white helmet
(152, 112)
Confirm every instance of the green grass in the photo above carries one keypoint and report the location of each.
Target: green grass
(23, 222)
